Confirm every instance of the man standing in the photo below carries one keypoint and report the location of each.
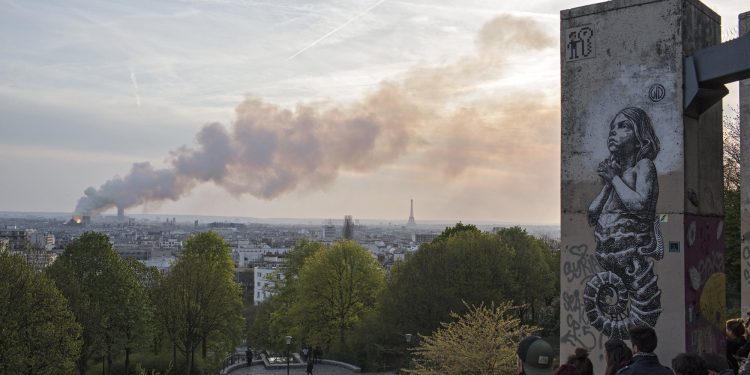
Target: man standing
(644, 361)
(249, 356)
(534, 357)
(309, 370)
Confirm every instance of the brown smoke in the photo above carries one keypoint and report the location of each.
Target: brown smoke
(269, 151)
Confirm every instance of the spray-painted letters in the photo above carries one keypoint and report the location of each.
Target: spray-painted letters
(583, 266)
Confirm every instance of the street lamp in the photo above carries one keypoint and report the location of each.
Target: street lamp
(407, 336)
(288, 348)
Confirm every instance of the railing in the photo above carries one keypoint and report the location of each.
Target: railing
(231, 360)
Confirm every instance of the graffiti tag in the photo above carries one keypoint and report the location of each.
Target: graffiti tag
(579, 335)
(582, 266)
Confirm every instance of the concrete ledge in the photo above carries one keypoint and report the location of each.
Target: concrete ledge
(276, 366)
(280, 366)
(228, 370)
(341, 364)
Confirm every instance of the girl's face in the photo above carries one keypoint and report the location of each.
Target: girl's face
(622, 138)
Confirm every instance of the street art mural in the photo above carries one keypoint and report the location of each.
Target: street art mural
(628, 239)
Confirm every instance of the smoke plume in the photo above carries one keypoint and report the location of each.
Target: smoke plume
(269, 151)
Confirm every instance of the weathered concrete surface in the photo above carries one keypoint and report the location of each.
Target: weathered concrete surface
(744, 21)
(629, 54)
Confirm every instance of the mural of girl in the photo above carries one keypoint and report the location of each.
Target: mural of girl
(627, 233)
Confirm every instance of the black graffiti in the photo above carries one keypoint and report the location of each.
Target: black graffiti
(579, 335)
(580, 43)
(571, 301)
(582, 266)
(656, 92)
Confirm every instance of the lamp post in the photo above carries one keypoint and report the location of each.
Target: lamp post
(407, 336)
(288, 348)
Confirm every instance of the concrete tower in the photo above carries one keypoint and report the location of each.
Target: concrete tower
(411, 222)
(642, 210)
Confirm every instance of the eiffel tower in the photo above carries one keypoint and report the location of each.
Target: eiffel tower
(411, 222)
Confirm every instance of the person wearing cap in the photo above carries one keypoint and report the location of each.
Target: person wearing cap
(534, 357)
(645, 361)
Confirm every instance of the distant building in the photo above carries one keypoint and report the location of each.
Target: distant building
(421, 238)
(18, 239)
(4, 245)
(329, 231)
(248, 257)
(170, 243)
(348, 227)
(38, 259)
(265, 282)
(135, 251)
(161, 264)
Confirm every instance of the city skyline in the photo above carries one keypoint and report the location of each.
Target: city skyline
(454, 106)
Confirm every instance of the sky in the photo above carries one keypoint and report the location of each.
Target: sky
(286, 109)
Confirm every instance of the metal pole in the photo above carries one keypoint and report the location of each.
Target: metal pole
(287, 358)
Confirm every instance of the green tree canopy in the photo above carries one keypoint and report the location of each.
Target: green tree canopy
(337, 286)
(456, 229)
(325, 292)
(38, 332)
(468, 267)
(105, 295)
(200, 303)
(81, 274)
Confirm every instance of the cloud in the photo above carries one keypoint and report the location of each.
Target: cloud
(437, 113)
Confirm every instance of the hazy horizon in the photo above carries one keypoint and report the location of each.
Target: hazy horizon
(189, 218)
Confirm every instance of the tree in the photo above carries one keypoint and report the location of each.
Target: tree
(81, 274)
(481, 341)
(338, 284)
(535, 270)
(200, 303)
(38, 332)
(732, 207)
(132, 319)
(469, 267)
(105, 296)
(456, 229)
(272, 320)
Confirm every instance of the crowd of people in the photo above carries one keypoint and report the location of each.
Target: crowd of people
(535, 356)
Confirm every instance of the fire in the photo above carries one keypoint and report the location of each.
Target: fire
(77, 219)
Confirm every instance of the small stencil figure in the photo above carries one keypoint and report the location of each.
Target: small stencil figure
(580, 43)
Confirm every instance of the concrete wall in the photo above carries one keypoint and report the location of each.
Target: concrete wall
(661, 248)
(744, 20)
